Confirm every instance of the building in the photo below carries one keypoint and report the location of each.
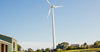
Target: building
(75, 45)
(60, 46)
(7, 44)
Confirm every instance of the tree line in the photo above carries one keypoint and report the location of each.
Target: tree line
(64, 46)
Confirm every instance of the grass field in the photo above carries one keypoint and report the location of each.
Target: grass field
(82, 50)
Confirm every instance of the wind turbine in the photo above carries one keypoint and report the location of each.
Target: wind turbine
(53, 24)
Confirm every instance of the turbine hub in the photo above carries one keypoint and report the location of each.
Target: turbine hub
(52, 6)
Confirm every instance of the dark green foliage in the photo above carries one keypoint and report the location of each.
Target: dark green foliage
(97, 44)
(25, 51)
(85, 44)
(42, 50)
(19, 47)
(72, 48)
(38, 50)
(29, 50)
(47, 50)
(98, 51)
(63, 45)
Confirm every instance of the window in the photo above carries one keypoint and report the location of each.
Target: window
(13, 45)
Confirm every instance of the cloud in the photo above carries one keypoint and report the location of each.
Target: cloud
(35, 45)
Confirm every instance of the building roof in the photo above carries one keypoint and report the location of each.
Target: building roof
(74, 44)
(4, 41)
(8, 36)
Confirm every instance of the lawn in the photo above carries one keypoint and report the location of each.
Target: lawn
(82, 50)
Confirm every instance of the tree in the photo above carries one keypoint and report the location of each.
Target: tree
(47, 50)
(25, 51)
(72, 47)
(29, 50)
(42, 50)
(19, 47)
(85, 44)
(97, 44)
(38, 50)
(63, 45)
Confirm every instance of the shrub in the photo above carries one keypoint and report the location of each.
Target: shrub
(15, 51)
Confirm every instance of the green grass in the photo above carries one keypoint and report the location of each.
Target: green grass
(82, 50)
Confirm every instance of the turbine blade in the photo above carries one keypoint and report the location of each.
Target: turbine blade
(49, 3)
(58, 6)
(49, 13)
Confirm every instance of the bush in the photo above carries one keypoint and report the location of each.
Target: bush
(59, 49)
(15, 51)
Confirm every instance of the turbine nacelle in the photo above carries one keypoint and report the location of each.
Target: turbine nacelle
(53, 6)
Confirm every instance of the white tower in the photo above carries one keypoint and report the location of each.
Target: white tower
(53, 24)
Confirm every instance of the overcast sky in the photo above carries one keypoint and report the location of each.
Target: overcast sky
(26, 20)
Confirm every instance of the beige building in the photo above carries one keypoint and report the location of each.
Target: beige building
(7, 44)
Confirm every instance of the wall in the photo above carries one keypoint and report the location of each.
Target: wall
(10, 48)
(13, 40)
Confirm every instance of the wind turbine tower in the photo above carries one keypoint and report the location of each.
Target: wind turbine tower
(53, 24)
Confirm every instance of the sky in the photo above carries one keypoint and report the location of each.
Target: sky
(26, 20)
